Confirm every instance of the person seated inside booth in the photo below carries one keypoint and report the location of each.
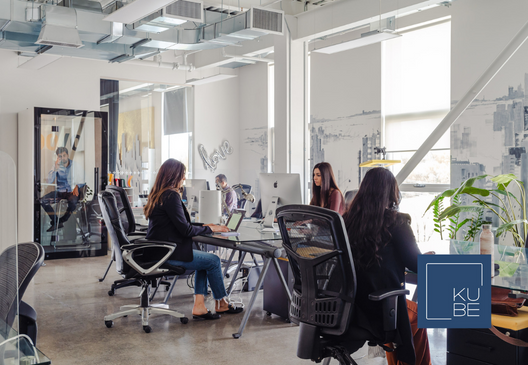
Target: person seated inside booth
(62, 175)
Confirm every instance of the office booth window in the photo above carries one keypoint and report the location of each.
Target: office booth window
(415, 99)
(70, 169)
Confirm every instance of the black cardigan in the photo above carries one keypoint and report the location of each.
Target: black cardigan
(399, 253)
(170, 221)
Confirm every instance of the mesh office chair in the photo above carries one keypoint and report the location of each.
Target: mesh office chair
(324, 291)
(30, 259)
(130, 226)
(241, 203)
(349, 196)
(130, 263)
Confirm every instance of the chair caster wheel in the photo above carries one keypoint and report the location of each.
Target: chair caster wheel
(147, 329)
(167, 287)
(109, 324)
(184, 320)
(236, 335)
(287, 320)
(111, 293)
(268, 314)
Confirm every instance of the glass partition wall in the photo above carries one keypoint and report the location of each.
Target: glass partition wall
(70, 170)
(148, 123)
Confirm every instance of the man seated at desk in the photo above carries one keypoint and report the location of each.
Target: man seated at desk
(229, 195)
(62, 176)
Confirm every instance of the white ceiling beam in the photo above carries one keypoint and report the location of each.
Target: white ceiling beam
(343, 15)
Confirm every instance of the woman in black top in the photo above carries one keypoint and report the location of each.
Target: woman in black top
(383, 245)
(170, 221)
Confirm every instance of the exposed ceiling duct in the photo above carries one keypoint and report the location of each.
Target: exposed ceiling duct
(59, 27)
(26, 27)
(170, 16)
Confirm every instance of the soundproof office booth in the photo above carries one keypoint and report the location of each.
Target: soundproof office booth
(63, 162)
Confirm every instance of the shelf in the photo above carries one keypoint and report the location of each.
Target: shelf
(378, 163)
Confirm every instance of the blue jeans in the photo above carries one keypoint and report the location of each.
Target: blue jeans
(207, 267)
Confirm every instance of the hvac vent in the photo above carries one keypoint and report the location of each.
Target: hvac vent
(267, 20)
(183, 9)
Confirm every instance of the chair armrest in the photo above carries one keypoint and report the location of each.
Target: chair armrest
(141, 227)
(389, 299)
(146, 245)
(386, 293)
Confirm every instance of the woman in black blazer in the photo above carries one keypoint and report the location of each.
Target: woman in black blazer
(383, 245)
(170, 221)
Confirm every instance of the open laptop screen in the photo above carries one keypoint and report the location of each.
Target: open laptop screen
(235, 219)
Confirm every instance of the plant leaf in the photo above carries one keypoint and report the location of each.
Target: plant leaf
(456, 208)
(509, 226)
(439, 198)
(504, 179)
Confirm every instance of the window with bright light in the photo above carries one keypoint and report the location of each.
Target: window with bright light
(416, 76)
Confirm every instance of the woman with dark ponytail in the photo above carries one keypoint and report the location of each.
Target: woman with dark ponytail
(383, 245)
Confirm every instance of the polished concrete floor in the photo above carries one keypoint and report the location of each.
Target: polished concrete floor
(71, 304)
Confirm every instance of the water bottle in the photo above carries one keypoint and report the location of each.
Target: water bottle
(487, 245)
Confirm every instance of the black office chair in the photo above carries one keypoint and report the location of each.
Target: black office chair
(30, 258)
(133, 231)
(324, 291)
(130, 263)
(349, 196)
(241, 203)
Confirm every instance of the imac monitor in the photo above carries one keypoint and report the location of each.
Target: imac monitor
(276, 190)
(192, 190)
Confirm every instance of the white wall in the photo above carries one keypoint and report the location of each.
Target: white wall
(216, 118)
(69, 83)
(343, 86)
(253, 84)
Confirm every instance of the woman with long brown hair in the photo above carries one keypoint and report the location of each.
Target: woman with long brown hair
(383, 245)
(325, 192)
(170, 221)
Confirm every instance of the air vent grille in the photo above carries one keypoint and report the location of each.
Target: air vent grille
(267, 20)
(187, 9)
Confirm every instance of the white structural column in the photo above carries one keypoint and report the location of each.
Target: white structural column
(290, 118)
(282, 103)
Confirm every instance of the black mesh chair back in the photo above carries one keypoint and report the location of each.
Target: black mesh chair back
(115, 229)
(30, 258)
(319, 254)
(349, 196)
(241, 204)
(125, 209)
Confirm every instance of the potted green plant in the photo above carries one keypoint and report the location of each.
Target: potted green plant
(509, 204)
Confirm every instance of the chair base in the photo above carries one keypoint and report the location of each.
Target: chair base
(145, 309)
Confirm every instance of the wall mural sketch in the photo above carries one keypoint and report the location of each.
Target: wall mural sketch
(491, 137)
(254, 156)
(345, 142)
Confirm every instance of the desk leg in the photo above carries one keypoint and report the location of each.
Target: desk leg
(240, 262)
(247, 311)
(229, 262)
(281, 277)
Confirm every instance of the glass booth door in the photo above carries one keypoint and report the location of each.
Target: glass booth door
(70, 170)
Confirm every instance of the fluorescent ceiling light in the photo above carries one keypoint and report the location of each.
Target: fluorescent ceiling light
(40, 61)
(366, 39)
(137, 10)
(140, 86)
(207, 80)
